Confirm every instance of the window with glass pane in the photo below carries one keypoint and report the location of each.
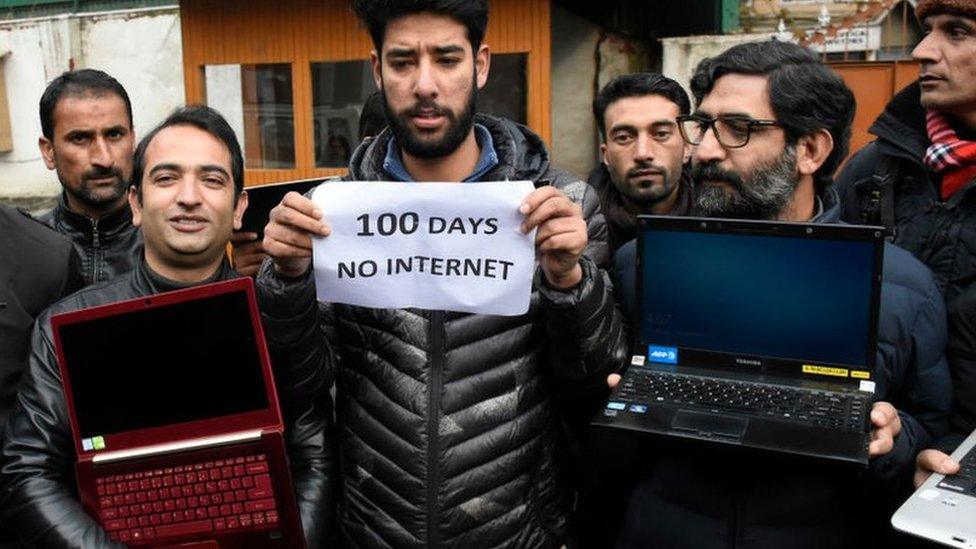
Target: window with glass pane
(504, 94)
(257, 102)
(339, 91)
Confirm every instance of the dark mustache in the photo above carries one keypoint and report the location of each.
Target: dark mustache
(101, 173)
(427, 105)
(711, 172)
(645, 167)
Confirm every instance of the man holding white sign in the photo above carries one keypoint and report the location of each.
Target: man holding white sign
(449, 423)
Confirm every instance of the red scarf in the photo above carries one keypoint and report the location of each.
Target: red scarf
(948, 155)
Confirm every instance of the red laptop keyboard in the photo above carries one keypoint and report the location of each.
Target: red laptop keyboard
(212, 496)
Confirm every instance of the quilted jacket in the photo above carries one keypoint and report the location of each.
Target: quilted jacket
(451, 425)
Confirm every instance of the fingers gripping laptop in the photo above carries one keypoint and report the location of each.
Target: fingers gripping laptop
(175, 420)
(754, 333)
(943, 507)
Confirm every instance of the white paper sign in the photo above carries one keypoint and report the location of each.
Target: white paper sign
(449, 246)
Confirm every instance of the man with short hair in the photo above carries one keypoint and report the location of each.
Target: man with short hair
(771, 125)
(187, 198)
(87, 139)
(449, 422)
(919, 179)
(643, 155)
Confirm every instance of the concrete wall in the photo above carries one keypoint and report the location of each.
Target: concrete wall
(576, 76)
(141, 48)
(681, 55)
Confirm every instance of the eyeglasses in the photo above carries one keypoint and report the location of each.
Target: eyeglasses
(731, 131)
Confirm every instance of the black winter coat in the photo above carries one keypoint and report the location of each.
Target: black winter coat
(106, 248)
(38, 495)
(37, 267)
(942, 234)
(449, 424)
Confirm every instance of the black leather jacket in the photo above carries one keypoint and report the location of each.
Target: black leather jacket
(38, 496)
(450, 424)
(107, 248)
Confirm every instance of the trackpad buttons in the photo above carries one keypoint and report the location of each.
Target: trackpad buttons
(710, 425)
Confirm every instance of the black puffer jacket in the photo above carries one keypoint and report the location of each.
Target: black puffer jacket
(449, 423)
(38, 496)
(942, 234)
(107, 248)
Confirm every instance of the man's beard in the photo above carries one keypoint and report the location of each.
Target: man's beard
(87, 194)
(764, 197)
(457, 129)
(650, 195)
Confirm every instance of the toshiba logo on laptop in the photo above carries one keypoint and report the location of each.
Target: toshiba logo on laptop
(748, 362)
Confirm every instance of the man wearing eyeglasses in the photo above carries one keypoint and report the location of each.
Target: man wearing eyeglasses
(772, 125)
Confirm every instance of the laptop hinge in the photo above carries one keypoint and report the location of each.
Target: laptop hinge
(170, 447)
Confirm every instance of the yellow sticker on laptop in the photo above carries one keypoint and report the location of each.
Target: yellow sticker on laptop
(825, 371)
(860, 374)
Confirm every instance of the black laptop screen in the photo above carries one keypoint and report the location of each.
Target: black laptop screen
(790, 298)
(170, 364)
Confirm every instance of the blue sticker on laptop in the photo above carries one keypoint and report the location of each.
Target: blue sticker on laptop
(662, 355)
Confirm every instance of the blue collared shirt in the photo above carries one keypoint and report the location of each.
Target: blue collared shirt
(393, 164)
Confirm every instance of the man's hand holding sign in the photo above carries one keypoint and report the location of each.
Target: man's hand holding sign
(388, 247)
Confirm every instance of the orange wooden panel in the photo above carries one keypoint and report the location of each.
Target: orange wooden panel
(906, 72)
(873, 85)
(301, 32)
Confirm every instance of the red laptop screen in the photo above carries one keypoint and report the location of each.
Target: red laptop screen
(178, 363)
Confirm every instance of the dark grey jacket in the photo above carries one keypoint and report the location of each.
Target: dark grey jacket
(450, 424)
(37, 267)
(106, 248)
(38, 495)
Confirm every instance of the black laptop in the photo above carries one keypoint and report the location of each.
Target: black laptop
(754, 333)
(261, 199)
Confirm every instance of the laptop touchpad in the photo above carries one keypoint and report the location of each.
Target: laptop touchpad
(710, 425)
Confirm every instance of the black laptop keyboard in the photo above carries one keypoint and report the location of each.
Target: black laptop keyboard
(965, 480)
(827, 409)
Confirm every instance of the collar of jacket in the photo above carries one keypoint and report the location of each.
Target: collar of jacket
(107, 226)
(829, 207)
(144, 277)
(521, 154)
(901, 127)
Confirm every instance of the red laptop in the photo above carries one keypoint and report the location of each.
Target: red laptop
(176, 421)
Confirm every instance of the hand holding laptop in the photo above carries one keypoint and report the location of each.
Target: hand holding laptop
(933, 461)
(885, 427)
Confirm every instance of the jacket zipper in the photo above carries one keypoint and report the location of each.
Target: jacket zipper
(94, 254)
(436, 341)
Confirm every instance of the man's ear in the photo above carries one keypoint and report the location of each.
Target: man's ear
(239, 209)
(603, 153)
(482, 63)
(812, 151)
(135, 206)
(686, 153)
(376, 63)
(47, 151)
